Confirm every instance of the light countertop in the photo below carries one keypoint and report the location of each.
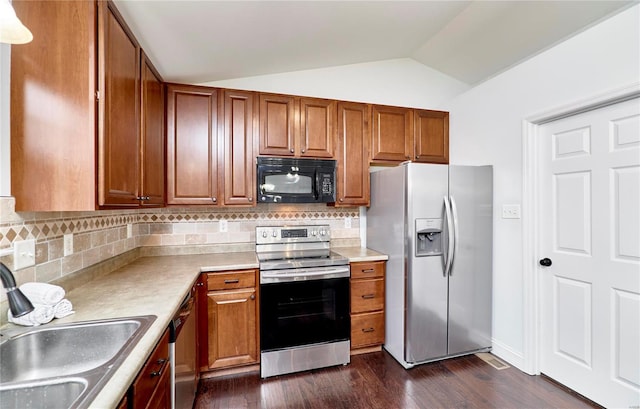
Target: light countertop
(156, 286)
(359, 254)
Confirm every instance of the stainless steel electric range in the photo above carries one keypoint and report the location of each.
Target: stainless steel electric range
(304, 300)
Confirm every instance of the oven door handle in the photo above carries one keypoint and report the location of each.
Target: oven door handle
(333, 272)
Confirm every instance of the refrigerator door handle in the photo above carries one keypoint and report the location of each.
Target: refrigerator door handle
(454, 212)
(448, 255)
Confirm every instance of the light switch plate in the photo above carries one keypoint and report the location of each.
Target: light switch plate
(347, 222)
(24, 254)
(511, 211)
(224, 226)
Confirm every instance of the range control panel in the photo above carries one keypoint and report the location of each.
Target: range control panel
(292, 234)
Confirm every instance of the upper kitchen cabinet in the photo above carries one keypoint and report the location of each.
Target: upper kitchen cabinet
(297, 126)
(152, 175)
(391, 139)
(118, 110)
(53, 112)
(238, 161)
(401, 134)
(353, 153)
(193, 147)
(431, 136)
(76, 110)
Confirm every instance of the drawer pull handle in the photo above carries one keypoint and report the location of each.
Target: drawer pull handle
(156, 373)
(368, 329)
(369, 270)
(234, 281)
(368, 296)
(161, 361)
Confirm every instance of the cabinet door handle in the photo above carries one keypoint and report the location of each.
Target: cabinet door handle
(303, 150)
(214, 199)
(156, 373)
(233, 281)
(368, 329)
(417, 156)
(291, 150)
(251, 199)
(253, 296)
(368, 296)
(200, 284)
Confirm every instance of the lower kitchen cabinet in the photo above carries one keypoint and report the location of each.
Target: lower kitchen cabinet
(367, 304)
(152, 387)
(228, 320)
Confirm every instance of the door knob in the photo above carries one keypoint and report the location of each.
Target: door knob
(545, 262)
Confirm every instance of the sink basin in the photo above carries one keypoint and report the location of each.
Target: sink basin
(43, 395)
(71, 361)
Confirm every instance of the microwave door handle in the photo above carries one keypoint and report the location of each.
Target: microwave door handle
(315, 185)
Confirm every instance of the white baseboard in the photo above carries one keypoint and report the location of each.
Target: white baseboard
(507, 354)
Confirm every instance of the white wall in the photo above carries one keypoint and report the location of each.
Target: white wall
(402, 82)
(5, 130)
(486, 126)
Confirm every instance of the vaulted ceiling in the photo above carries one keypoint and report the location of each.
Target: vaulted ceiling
(203, 41)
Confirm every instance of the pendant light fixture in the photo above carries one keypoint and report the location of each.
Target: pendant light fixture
(12, 31)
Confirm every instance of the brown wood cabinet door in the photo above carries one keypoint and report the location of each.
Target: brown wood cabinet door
(152, 175)
(239, 160)
(392, 134)
(53, 124)
(317, 132)
(277, 125)
(192, 145)
(431, 136)
(202, 330)
(119, 114)
(232, 321)
(353, 154)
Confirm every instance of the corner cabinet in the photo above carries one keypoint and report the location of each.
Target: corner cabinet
(297, 126)
(228, 320)
(367, 305)
(353, 152)
(76, 110)
(192, 145)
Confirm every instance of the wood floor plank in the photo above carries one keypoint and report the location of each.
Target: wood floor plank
(377, 381)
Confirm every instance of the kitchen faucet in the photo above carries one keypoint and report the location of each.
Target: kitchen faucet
(19, 304)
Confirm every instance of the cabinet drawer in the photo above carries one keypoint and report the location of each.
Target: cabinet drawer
(367, 295)
(231, 280)
(151, 374)
(367, 329)
(373, 269)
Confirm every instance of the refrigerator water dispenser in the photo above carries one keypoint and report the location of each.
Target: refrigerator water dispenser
(428, 237)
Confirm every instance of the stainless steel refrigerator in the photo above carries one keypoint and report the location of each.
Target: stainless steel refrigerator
(435, 224)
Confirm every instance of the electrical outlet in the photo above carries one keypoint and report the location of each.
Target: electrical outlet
(24, 254)
(68, 244)
(129, 230)
(347, 222)
(511, 211)
(224, 226)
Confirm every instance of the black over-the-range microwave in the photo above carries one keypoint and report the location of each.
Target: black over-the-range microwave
(296, 180)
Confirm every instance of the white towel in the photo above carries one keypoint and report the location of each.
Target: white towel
(63, 309)
(41, 314)
(43, 293)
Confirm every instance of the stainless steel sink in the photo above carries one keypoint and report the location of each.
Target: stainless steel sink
(70, 362)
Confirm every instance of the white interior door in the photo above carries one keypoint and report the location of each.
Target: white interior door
(589, 192)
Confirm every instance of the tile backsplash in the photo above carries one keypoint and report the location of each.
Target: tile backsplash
(101, 235)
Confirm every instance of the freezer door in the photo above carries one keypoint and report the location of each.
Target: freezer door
(426, 319)
(470, 282)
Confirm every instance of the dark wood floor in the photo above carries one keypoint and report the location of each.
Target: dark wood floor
(376, 380)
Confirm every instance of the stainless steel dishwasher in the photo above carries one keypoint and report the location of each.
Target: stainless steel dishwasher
(182, 354)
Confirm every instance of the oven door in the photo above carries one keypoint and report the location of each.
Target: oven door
(304, 312)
